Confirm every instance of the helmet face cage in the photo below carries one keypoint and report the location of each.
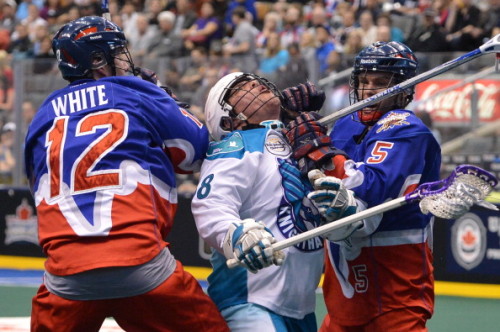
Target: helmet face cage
(392, 57)
(235, 85)
(89, 43)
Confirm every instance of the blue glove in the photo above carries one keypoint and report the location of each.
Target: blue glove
(334, 201)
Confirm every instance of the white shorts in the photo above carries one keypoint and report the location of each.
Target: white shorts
(252, 317)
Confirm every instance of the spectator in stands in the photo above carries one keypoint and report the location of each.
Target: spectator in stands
(210, 77)
(50, 8)
(353, 45)
(383, 33)
(372, 6)
(274, 59)
(293, 26)
(41, 31)
(141, 37)
(318, 16)
(368, 28)
(8, 18)
(462, 26)
(185, 16)
(206, 30)
(44, 59)
(428, 36)
(241, 46)
(20, 44)
(7, 160)
(491, 19)
(165, 42)
(323, 49)
(193, 72)
(348, 24)
(153, 9)
(333, 63)
(7, 94)
(338, 14)
(295, 71)
(308, 50)
(129, 13)
(249, 5)
(272, 23)
(33, 21)
(22, 9)
(396, 34)
(442, 8)
(28, 112)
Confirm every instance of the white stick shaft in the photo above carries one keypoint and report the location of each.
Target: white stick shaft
(327, 228)
(493, 45)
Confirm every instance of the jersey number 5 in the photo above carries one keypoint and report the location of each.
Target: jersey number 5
(83, 177)
(379, 152)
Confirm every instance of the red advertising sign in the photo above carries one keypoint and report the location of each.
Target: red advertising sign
(455, 106)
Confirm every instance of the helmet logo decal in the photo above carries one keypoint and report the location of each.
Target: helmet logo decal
(86, 32)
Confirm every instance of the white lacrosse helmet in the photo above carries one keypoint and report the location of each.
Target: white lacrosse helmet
(216, 108)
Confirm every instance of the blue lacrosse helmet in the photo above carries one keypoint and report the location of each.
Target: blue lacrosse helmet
(79, 43)
(390, 57)
(393, 57)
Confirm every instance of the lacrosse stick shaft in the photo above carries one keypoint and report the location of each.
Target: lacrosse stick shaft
(105, 10)
(491, 46)
(327, 228)
(391, 205)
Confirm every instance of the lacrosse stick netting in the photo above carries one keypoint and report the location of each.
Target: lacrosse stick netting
(452, 197)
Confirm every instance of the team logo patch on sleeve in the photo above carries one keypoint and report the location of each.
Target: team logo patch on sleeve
(276, 145)
(392, 120)
(229, 145)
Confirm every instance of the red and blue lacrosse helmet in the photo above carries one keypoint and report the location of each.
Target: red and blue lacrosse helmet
(388, 57)
(79, 43)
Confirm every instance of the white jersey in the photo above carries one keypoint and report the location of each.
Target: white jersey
(249, 174)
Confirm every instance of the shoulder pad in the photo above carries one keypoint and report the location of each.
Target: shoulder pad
(229, 146)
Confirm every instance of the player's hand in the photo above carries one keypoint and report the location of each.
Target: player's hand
(249, 242)
(334, 201)
(312, 147)
(304, 97)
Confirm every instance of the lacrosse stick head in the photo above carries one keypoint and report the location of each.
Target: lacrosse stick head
(450, 198)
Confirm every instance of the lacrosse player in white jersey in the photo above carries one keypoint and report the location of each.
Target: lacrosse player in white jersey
(251, 194)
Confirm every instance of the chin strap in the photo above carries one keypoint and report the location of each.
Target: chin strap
(269, 124)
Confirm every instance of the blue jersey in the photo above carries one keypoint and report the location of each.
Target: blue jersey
(387, 264)
(101, 156)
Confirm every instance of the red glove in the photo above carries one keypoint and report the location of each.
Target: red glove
(312, 147)
(303, 98)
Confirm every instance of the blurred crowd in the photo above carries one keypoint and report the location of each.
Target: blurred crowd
(199, 41)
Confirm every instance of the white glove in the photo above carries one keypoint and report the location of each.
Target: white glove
(333, 201)
(250, 242)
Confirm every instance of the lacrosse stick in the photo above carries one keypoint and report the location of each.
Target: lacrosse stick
(105, 10)
(449, 198)
(491, 46)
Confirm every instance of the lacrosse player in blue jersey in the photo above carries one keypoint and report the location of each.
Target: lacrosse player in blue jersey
(250, 195)
(378, 275)
(101, 155)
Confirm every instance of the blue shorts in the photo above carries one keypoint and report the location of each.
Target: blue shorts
(253, 317)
